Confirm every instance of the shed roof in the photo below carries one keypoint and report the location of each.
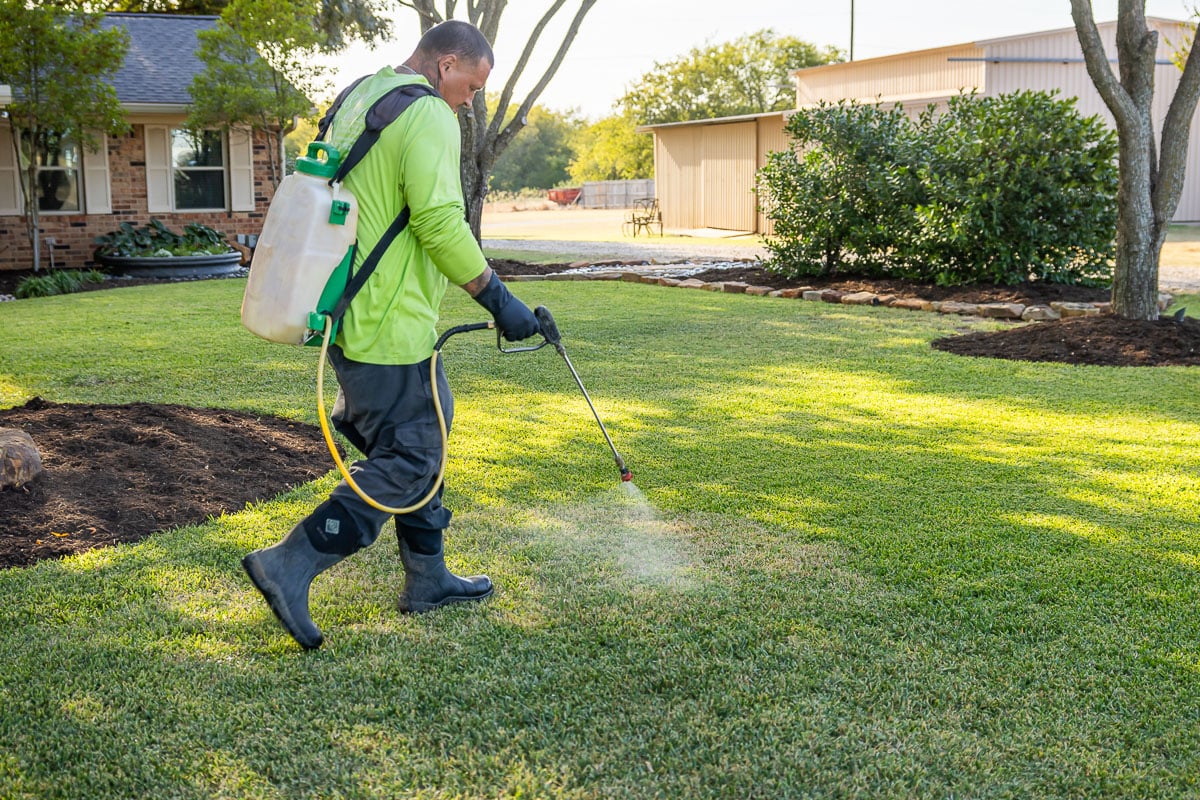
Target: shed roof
(162, 60)
(712, 121)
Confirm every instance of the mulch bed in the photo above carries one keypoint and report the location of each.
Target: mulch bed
(118, 473)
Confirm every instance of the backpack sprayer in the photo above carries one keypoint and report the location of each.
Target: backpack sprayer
(301, 284)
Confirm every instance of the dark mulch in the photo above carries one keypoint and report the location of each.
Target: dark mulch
(1103, 340)
(119, 473)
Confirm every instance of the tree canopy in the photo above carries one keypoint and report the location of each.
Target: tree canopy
(337, 21)
(748, 75)
(538, 158)
(60, 65)
(255, 69)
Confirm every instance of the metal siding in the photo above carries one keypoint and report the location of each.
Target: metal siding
(729, 159)
(905, 78)
(1071, 80)
(676, 154)
(771, 138)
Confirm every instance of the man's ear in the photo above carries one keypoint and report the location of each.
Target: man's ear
(447, 61)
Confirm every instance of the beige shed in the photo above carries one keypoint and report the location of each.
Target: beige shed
(705, 169)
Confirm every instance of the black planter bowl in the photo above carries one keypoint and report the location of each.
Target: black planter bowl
(201, 266)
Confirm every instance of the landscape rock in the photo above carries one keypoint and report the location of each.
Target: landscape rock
(734, 287)
(691, 283)
(1074, 309)
(20, 461)
(1039, 313)
(669, 281)
(860, 299)
(1001, 310)
(913, 304)
(758, 291)
(631, 277)
(954, 307)
(811, 294)
(831, 296)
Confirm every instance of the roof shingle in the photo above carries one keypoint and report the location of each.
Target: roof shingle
(162, 60)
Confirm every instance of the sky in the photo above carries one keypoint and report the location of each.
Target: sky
(621, 40)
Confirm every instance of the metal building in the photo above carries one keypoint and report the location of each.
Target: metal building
(705, 170)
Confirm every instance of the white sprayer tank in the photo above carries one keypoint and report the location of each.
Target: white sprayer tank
(309, 231)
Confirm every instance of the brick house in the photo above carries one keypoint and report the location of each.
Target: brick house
(156, 169)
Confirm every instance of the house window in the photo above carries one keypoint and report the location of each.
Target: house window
(198, 170)
(58, 175)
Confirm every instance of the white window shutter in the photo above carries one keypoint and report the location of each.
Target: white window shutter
(158, 169)
(97, 192)
(241, 169)
(10, 174)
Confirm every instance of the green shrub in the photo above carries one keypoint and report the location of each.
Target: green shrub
(63, 281)
(156, 239)
(839, 196)
(1018, 187)
(989, 190)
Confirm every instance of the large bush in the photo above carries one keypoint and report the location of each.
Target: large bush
(839, 196)
(990, 190)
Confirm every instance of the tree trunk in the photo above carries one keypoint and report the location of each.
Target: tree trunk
(1150, 183)
(32, 220)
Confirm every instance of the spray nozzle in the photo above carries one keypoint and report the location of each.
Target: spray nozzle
(626, 476)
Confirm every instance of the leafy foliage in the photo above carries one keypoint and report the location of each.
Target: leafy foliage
(612, 149)
(156, 239)
(1017, 187)
(540, 153)
(992, 190)
(256, 69)
(60, 64)
(63, 281)
(748, 75)
(842, 195)
(338, 21)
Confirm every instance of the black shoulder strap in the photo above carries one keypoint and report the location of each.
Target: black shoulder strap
(359, 279)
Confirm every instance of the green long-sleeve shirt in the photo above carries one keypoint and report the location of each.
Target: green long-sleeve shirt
(415, 162)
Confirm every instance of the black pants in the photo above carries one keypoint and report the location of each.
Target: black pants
(386, 411)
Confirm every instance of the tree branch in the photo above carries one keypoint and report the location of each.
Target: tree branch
(511, 85)
(426, 11)
(1114, 95)
(513, 128)
(1175, 136)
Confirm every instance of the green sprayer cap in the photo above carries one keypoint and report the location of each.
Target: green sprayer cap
(313, 164)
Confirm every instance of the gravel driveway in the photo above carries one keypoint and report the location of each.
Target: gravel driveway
(1171, 278)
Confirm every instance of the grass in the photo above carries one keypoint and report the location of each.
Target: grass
(856, 567)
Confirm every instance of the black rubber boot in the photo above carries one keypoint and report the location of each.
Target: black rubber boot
(429, 585)
(283, 574)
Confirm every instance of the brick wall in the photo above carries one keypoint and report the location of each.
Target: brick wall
(75, 233)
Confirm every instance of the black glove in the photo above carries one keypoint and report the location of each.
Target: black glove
(513, 318)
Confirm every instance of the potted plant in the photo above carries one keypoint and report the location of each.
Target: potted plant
(154, 250)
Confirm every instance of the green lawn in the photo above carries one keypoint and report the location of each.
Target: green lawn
(856, 567)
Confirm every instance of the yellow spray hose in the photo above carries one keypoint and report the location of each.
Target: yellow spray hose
(337, 459)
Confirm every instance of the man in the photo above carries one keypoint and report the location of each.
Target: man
(383, 349)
